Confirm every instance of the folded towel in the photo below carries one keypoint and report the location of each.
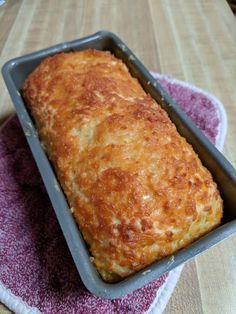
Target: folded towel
(37, 273)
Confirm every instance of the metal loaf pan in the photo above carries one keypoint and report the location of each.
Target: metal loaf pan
(16, 71)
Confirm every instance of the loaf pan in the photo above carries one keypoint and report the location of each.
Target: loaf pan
(16, 71)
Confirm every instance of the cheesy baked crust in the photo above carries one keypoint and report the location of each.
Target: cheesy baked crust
(137, 189)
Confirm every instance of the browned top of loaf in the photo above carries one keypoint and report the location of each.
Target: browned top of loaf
(136, 187)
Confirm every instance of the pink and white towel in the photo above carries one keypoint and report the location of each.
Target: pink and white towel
(37, 274)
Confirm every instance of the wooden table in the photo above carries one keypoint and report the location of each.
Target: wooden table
(194, 40)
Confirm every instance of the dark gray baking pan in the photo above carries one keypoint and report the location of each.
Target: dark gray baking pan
(15, 72)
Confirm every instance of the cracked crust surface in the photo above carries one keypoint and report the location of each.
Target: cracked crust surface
(136, 188)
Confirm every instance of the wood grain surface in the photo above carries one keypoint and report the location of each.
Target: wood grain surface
(194, 40)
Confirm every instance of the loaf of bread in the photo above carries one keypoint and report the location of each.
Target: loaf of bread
(136, 188)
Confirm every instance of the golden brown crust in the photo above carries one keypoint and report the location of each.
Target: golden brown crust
(138, 190)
